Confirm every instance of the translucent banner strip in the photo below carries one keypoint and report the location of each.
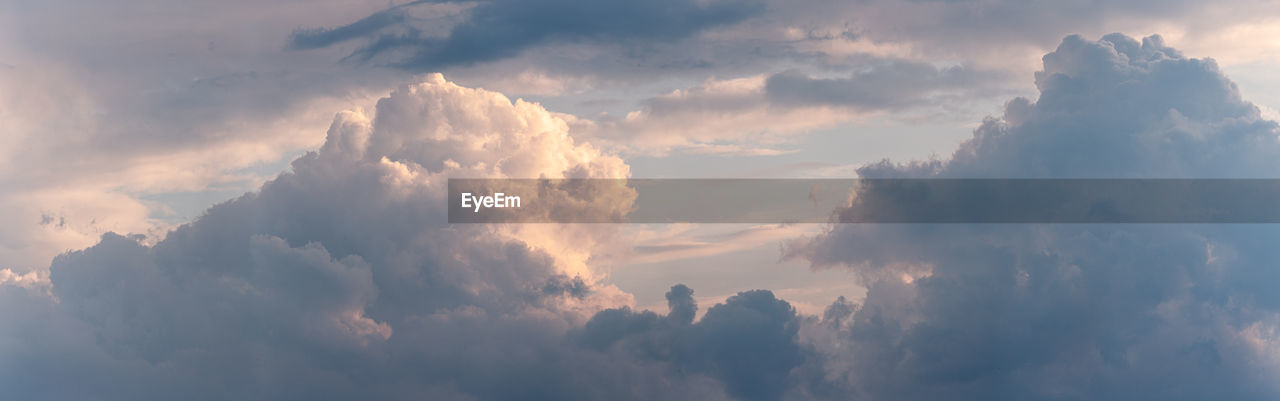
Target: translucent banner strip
(765, 201)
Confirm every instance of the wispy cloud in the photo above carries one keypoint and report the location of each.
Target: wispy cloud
(494, 30)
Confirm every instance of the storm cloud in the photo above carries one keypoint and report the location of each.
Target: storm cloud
(1072, 311)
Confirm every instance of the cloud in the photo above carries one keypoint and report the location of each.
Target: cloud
(1135, 109)
(697, 40)
(334, 276)
(495, 30)
(758, 115)
(670, 242)
(882, 85)
(989, 33)
(1070, 311)
(188, 100)
(322, 37)
(748, 342)
(105, 109)
(719, 116)
(341, 279)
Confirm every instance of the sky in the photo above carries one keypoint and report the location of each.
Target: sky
(246, 200)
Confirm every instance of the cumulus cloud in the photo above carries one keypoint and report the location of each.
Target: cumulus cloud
(1128, 108)
(187, 99)
(341, 279)
(328, 273)
(748, 342)
(1070, 312)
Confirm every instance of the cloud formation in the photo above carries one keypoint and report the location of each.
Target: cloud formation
(759, 115)
(105, 110)
(102, 105)
(494, 30)
(1071, 312)
(749, 342)
(732, 116)
(333, 277)
(881, 85)
(340, 279)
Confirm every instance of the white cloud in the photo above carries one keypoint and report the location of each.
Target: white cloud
(343, 265)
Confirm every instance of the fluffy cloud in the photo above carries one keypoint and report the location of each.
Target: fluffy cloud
(332, 277)
(186, 98)
(1071, 312)
(341, 279)
(749, 342)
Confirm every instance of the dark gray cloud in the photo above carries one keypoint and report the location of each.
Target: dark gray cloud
(1072, 311)
(749, 342)
(322, 37)
(495, 30)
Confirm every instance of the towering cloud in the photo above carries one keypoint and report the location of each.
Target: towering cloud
(337, 280)
(341, 279)
(1072, 312)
